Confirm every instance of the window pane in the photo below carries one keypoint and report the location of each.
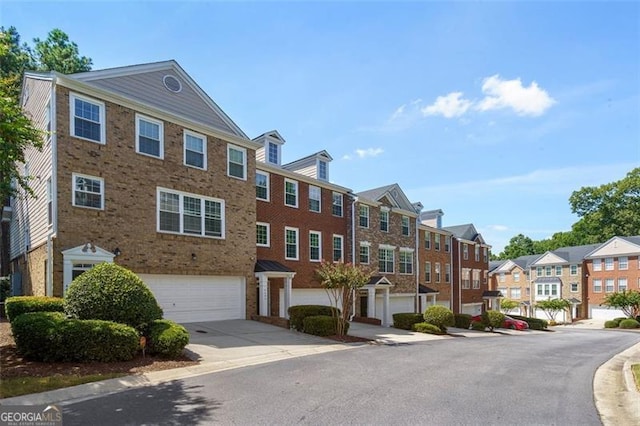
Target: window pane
(261, 186)
(192, 215)
(213, 219)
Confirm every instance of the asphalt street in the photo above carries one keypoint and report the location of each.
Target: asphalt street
(541, 379)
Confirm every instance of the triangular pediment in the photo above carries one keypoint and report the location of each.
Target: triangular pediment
(508, 266)
(164, 86)
(549, 259)
(88, 252)
(615, 247)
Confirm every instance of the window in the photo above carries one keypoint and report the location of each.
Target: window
(573, 270)
(503, 291)
(237, 162)
(290, 193)
(466, 278)
(336, 207)
(385, 263)
(623, 263)
(608, 264)
(315, 246)
(485, 253)
(315, 195)
(477, 253)
(149, 136)
(427, 272)
(503, 277)
(447, 273)
(465, 251)
(609, 285)
(574, 287)
(437, 272)
(262, 186)
(262, 234)
(273, 153)
(363, 212)
(49, 202)
(558, 270)
(515, 293)
(447, 243)
(384, 220)
(597, 285)
(87, 118)
(436, 241)
(476, 278)
(322, 170)
(539, 271)
(405, 262)
(516, 277)
(338, 248)
(622, 284)
(88, 191)
(597, 264)
(184, 213)
(405, 226)
(547, 271)
(545, 290)
(291, 243)
(427, 240)
(195, 150)
(364, 254)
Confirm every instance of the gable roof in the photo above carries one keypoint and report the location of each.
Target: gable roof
(616, 246)
(466, 232)
(146, 83)
(301, 162)
(393, 193)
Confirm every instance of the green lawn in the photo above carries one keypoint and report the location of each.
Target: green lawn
(636, 374)
(17, 386)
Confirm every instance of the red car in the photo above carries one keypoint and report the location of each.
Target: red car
(512, 323)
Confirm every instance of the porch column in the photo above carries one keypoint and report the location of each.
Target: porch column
(433, 300)
(385, 309)
(287, 296)
(264, 295)
(498, 304)
(371, 302)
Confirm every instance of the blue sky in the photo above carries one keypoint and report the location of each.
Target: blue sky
(491, 111)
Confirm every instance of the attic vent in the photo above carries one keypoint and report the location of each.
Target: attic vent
(172, 84)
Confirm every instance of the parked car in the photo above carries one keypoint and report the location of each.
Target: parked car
(509, 322)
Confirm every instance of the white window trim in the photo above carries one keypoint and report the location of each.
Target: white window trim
(388, 221)
(402, 221)
(409, 251)
(295, 182)
(244, 161)
(74, 176)
(72, 115)
(326, 168)
(160, 135)
(427, 269)
(319, 199)
(571, 273)
(366, 209)
(367, 245)
(599, 280)
(268, 226)
(393, 258)
(341, 238)
(181, 212)
(609, 266)
(319, 234)
(268, 156)
(333, 197)
(626, 267)
(266, 174)
(186, 133)
(297, 232)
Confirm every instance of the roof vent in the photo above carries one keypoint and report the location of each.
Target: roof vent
(172, 84)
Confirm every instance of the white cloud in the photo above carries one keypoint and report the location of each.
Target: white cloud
(369, 152)
(501, 94)
(397, 113)
(449, 106)
(500, 228)
(346, 157)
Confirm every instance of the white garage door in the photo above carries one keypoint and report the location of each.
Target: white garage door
(603, 313)
(471, 308)
(301, 296)
(195, 298)
(399, 304)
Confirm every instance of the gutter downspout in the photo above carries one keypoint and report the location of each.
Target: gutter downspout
(459, 277)
(54, 187)
(353, 251)
(417, 307)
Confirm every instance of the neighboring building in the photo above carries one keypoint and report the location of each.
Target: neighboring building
(436, 261)
(302, 219)
(142, 168)
(613, 266)
(511, 279)
(470, 291)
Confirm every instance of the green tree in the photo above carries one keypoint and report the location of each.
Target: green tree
(507, 305)
(493, 319)
(58, 53)
(627, 301)
(520, 245)
(553, 307)
(15, 58)
(341, 280)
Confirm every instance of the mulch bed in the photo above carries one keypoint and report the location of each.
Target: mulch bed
(349, 339)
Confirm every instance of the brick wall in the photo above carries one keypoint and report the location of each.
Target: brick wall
(593, 299)
(435, 256)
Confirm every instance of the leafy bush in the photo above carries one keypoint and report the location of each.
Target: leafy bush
(534, 323)
(112, 293)
(167, 338)
(322, 325)
(462, 320)
(17, 305)
(611, 324)
(493, 319)
(618, 320)
(5, 288)
(50, 336)
(629, 323)
(405, 320)
(298, 313)
(440, 316)
(425, 327)
(478, 326)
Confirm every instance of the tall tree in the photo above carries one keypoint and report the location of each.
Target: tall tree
(520, 245)
(58, 53)
(15, 58)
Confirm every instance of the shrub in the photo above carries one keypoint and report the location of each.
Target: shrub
(462, 320)
(629, 323)
(611, 324)
(298, 313)
(167, 338)
(405, 320)
(112, 293)
(425, 327)
(17, 305)
(478, 326)
(50, 336)
(534, 323)
(5, 288)
(440, 316)
(322, 325)
(493, 319)
(618, 320)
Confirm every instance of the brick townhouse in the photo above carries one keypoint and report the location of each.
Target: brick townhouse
(512, 279)
(436, 261)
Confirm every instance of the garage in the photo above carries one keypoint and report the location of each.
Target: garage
(603, 313)
(397, 304)
(196, 298)
(305, 297)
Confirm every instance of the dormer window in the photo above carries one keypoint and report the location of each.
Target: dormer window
(322, 170)
(273, 153)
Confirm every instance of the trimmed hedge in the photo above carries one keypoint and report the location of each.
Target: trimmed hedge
(493, 319)
(478, 326)
(425, 327)
(611, 324)
(322, 325)
(167, 338)
(298, 313)
(50, 336)
(112, 293)
(439, 316)
(462, 320)
(534, 323)
(629, 323)
(619, 320)
(406, 320)
(18, 305)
